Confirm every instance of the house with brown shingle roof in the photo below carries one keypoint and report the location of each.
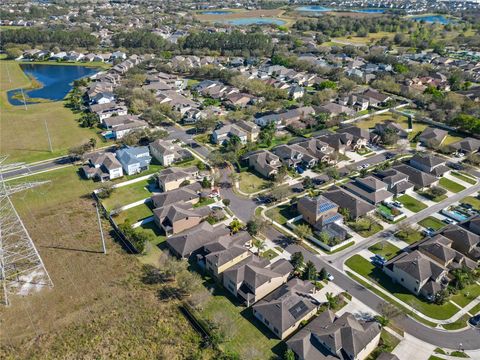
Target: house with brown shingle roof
(264, 162)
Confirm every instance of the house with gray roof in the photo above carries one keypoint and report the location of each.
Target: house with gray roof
(432, 137)
(134, 159)
(397, 182)
(318, 211)
(418, 178)
(188, 194)
(188, 242)
(103, 167)
(468, 145)
(264, 162)
(418, 273)
(172, 178)
(178, 217)
(329, 337)
(391, 126)
(463, 240)
(356, 206)
(254, 277)
(283, 310)
(370, 189)
(429, 163)
(167, 152)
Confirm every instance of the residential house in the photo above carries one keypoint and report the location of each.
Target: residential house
(223, 134)
(167, 152)
(187, 194)
(463, 240)
(119, 126)
(397, 182)
(473, 225)
(434, 165)
(178, 217)
(355, 206)
(341, 142)
(417, 273)
(238, 100)
(360, 137)
(318, 211)
(254, 277)
(330, 337)
(225, 252)
(370, 189)
(251, 129)
(102, 166)
(432, 137)
(192, 240)
(319, 150)
(264, 162)
(376, 98)
(285, 118)
(334, 109)
(466, 146)
(391, 126)
(294, 155)
(102, 98)
(283, 310)
(418, 178)
(104, 111)
(172, 178)
(134, 159)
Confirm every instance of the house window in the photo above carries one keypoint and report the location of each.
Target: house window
(401, 279)
(414, 289)
(275, 330)
(267, 322)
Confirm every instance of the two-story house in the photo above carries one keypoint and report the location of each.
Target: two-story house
(318, 211)
(134, 159)
(264, 162)
(172, 178)
(369, 189)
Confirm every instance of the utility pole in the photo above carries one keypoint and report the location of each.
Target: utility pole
(48, 135)
(101, 230)
(20, 262)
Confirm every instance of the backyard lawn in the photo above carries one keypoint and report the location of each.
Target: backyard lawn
(474, 201)
(385, 249)
(127, 194)
(431, 222)
(363, 267)
(411, 203)
(450, 185)
(269, 254)
(282, 213)
(134, 214)
(251, 183)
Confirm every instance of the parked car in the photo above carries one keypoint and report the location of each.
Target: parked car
(397, 204)
(378, 260)
(428, 231)
(475, 321)
(330, 277)
(455, 166)
(300, 170)
(449, 221)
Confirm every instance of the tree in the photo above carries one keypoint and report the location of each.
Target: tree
(303, 231)
(226, 202)
(289, 355)
(297, 261)
(307, 182)
(205, 124)
(332, 300)
(188, 282)
(255, 225)
(345, 212)
(333, 173)
(259, 244)
(322, 274)
(310, 271)
(206, 183)
(281, 174)
(235, 226)
(279, 193)
(105, 191)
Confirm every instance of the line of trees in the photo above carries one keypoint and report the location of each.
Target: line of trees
(48, 37)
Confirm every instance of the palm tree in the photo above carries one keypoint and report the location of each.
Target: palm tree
(259, 244)
(332, 300)
(235, 226)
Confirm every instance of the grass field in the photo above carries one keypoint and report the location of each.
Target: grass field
(474, 201)
(363, 267)
(467, 295)
(127, 194)
(22, 132)
(411, 203)
(98, 307)
(251, 183)
(370, 38)
(385, 249)
(134, 214)
(450, 185)
(431, 222)
(465, 178)
(282, 213)
(409, 238)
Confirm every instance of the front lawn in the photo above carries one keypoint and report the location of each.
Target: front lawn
(269, 254)
(363, 267)
(474, 201)
(466, 295)
(411, 203)
(251, 183)
(204, 202)
(465, 178)
(450, 185)
(385, 249)
(459, 324)
(409, 237)
(365, 227)
(431, 222)
(282, 213)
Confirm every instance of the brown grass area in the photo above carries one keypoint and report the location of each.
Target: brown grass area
(240, 14)
(98, 307)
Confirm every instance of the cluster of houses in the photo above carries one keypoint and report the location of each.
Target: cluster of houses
(425, 268)
(39, 54)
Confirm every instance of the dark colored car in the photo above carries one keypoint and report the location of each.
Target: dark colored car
(475, 321)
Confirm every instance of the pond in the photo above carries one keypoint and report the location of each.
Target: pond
(440, 19)
(314, 8)
(55, 82)
(254, 21)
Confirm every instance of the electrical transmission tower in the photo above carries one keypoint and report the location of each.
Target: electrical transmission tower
(21, 268)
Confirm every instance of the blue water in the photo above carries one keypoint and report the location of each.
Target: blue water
(254, 21)
(440, 19)
(459, 215)
(56, 80)
(216, 12)
(369, 11)
(314, 8)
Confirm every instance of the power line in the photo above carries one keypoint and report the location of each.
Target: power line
(48, 135)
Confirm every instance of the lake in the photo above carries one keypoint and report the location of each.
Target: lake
(56, 81)
(314, 8)
(440, 19)
(254, 21)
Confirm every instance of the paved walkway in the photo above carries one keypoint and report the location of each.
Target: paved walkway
(411, 348)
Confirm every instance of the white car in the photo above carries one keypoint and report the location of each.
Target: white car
(330, 277)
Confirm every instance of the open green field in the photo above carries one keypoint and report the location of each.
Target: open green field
(411, 203)
(251, 183)
(22, 132)
(363, 267)
(450, 185)
(432, 222)
(370, 38)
